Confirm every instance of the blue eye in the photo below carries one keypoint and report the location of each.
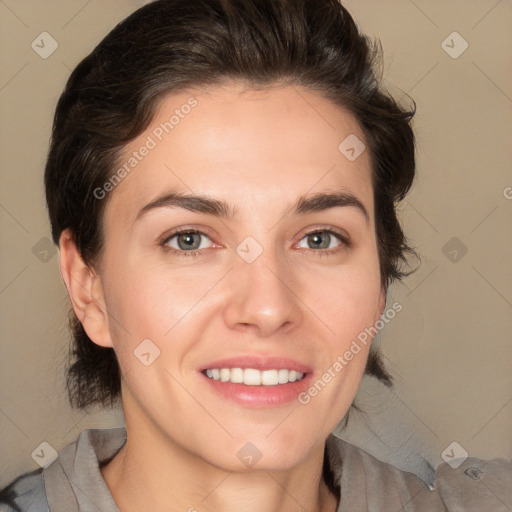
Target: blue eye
(185, 243)
(323, 240)
(189, 242)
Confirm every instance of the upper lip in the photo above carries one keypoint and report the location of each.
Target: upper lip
(258, 363)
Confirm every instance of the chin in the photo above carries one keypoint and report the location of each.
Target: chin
(262, 452)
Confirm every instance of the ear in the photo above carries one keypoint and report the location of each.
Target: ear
(381, 305)
(85, 291)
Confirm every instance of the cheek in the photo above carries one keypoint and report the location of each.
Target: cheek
(349, 306)
(147, 301)
(346, 299)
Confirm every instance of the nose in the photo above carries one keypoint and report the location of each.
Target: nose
(264, 297)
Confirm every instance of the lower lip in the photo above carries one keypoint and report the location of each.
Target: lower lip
(260, 396)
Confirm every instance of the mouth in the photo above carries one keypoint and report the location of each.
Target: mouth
(257, 381)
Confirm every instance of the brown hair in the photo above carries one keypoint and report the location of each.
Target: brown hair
(168, 45)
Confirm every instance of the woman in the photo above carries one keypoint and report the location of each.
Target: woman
(221, 183)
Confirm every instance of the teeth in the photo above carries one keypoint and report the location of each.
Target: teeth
(282, 376)
(253, 377)
(269, 378)
(237, 375)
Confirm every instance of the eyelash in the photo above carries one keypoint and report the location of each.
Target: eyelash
(345, 242)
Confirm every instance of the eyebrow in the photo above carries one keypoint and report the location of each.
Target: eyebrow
(219, 208)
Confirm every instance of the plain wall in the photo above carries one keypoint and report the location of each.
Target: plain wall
(449, 348)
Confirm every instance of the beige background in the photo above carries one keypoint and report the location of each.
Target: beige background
(451, 346)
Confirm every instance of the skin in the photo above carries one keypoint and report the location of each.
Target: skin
(259, 151)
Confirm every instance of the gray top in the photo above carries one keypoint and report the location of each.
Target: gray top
(73, 482)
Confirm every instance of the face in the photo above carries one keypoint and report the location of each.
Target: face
(258, 279)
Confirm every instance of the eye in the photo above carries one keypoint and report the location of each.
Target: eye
(185, 242)
(190, 242)
(327, 240)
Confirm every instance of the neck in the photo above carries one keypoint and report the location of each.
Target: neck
(151, 472)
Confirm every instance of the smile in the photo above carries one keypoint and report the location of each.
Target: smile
(254, 377)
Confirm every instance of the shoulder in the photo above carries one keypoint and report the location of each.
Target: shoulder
(476, 484)
(367, 483)
(25, 494)
(60, 485)
(471, 485)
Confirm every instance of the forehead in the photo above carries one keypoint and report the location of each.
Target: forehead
(232, 142)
